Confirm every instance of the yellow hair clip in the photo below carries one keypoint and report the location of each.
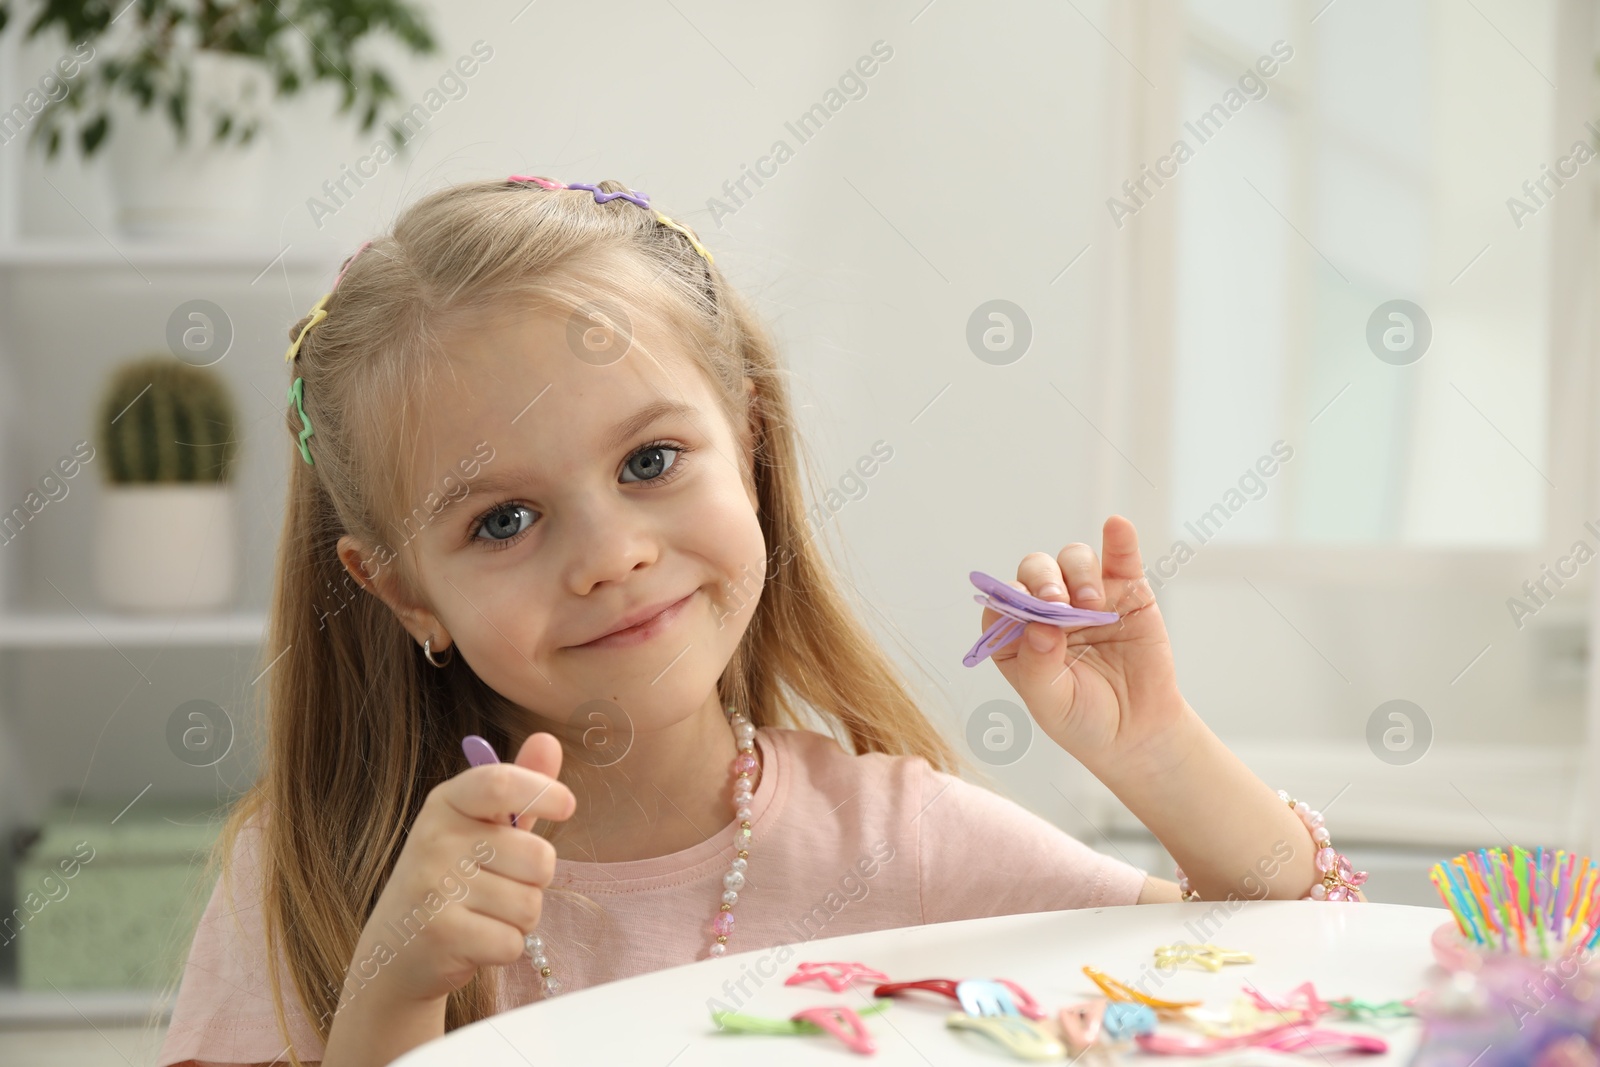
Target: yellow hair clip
(319, 312)
(1207, 955)
(698, 247)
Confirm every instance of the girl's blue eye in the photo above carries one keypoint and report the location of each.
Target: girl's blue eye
(650, 464)
(503, 522)
(656, 465)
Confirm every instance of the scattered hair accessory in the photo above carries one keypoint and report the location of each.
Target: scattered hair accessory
(1025, 1005)
(1208, 956)
(1021, 1037)
(842, 1022)
(364, 246)
(1117, 991)
(1080, 1024)
(1123, 1020)
(836, 976)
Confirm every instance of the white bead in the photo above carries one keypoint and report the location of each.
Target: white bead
(747, 746)
(1321, 836)
(740, 863)
(743, 799)
(742, 814)
(552, 985)
(1302, 809)
(539, 960)
(745, 731)
(730, 897)
(1283, 796)
(733, 880)
(535, 943)
(718, 948)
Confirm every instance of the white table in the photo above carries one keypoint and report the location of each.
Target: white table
(1374, 952)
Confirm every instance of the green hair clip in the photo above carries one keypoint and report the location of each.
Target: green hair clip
(297, 393)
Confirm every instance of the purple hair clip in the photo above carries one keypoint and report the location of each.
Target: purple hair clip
(1017, 610)
(632, 196)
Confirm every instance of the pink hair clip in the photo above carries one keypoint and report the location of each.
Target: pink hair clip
(543, 182)
(1017, 609)
(836, 976)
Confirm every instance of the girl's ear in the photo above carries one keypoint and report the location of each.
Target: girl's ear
(382, 581)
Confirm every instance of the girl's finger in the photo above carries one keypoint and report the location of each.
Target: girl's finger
(520, 856)
(1123, 566)
(495, 791)
(1081, 569)
(1041, 576)
(511, 902)
(486, 940)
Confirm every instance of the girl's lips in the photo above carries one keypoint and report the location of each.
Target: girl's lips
(642, 632)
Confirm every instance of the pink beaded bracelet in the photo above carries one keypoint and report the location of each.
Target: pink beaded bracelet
(1339, 879)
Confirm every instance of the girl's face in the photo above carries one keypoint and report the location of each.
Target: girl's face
(608, 492)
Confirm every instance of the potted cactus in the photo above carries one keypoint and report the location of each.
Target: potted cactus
(166, 542)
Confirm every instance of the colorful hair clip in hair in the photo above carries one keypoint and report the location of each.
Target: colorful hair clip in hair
(642, 199)
(633, 196)
(693, 240)
(297, 390)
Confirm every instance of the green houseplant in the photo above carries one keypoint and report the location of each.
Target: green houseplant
(168, 432)
(186, 83)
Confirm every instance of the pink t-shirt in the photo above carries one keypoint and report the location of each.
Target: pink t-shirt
(840, 844)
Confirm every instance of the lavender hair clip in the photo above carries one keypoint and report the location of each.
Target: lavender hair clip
(1016, 610)
(601, 196)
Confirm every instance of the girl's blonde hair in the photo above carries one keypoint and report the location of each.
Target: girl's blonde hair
(359, 728)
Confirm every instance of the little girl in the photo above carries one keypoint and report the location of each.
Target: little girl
(546, 490)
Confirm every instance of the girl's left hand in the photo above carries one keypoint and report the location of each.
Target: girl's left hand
(1107, 694)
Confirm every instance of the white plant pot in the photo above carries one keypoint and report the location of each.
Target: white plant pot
(166, 547)
(164, 190)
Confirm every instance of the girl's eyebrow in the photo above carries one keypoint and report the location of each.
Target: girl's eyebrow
(620, 434)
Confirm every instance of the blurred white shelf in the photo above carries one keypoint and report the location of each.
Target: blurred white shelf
(1454, 797)
(101, 628)
(25, 1009)
(254, 257)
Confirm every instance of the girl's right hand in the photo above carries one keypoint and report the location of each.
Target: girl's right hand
(428, 935)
